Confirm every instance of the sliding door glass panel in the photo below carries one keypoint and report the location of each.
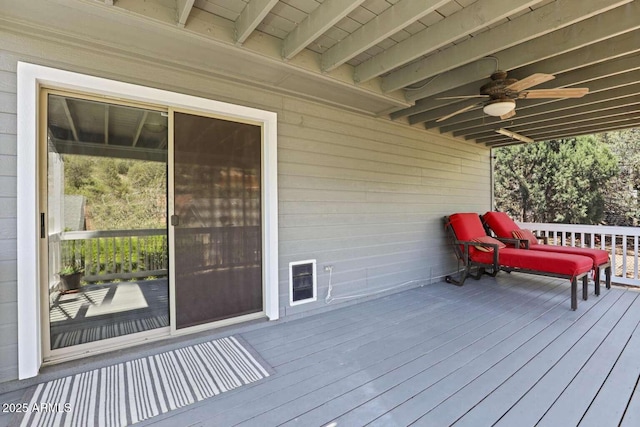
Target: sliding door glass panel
(218, 217)
(106, 220)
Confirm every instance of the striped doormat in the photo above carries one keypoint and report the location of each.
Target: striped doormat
(130, 392)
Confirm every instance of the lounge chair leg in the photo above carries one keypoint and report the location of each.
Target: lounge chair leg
(607, 275)
(463, 276)
(585, 287)
(479, 273)
(574, 294)
(453, 281)
(596, 279)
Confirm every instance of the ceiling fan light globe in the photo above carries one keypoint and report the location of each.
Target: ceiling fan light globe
(499, 107)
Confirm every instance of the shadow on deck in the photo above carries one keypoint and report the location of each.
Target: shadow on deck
(101, 311)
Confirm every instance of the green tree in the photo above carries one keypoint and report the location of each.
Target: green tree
(120, 194)
(554, 181)
(78, 174)
(621, 199)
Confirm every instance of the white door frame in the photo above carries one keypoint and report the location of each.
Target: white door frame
(33, 77)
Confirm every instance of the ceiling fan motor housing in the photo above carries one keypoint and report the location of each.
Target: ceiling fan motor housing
(497, 87)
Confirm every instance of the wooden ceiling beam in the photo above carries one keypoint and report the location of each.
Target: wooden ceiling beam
(566, 120)
(183, 9)
(70, 121)
(317, 23)
(383, 26)
(250, 17)
(575, 60)
(106, 124)
(466, 21)
(521, 49)
(594, 126)
(141, 123)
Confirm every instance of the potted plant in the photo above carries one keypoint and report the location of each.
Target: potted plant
(70, 276)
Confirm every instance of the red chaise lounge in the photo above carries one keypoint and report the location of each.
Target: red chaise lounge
(478, 251)
(504, 227)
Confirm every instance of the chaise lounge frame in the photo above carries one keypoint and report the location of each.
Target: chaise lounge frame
(605, 266)
(463, 255)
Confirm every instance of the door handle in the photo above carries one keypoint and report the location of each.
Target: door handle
(175, 220)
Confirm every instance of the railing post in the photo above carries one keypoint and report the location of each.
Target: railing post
(635, 257)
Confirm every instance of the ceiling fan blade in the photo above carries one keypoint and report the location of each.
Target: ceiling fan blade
(460, 111)
(464, 97)
(577, 92)
(514, 135)
(508, 115)
(532, 80)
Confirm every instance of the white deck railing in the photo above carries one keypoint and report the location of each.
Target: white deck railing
(620, 242)
(113, 254)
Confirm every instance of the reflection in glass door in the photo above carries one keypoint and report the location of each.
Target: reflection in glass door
(106, 220)
(217, 221)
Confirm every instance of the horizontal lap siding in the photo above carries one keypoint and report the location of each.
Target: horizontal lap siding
(367, 196)
(8, 249)
(363, 194)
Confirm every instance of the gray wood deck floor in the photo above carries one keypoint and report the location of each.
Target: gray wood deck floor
(504, 351)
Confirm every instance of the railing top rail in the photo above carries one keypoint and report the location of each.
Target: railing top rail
(582, 228)
(84, 235)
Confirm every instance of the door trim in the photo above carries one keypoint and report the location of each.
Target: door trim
(31, 78)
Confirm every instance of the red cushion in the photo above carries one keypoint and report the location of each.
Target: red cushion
(501, 224)
(525, 235)
(467, 225)
(487, 239)
(556, 263)
(597, 256)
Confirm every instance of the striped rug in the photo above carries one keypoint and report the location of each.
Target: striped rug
(130, 392)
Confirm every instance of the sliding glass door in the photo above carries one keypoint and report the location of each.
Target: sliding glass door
(105, 220)
(108, 243)
(217, 219)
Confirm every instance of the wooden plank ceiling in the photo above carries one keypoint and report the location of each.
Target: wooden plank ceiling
(399, 58)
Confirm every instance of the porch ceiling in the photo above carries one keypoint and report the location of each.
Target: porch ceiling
(391, 58)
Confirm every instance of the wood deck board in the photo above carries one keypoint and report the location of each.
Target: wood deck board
(632, 414)
(509, 393)
(337, 319)
(278, 401)
(566, 409)
(390, 370)
(494, 349)
(359, 403)
(542, 348)
(444, 402)
(545, 385)
(614, 396)
(364, 358)
(321, 363)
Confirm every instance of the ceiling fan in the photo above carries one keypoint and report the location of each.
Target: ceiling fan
(503, 92)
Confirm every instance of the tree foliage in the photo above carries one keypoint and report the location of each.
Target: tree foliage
(555, 181)
(120, 194)
(621, 197)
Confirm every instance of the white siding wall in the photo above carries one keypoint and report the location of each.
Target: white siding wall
(362, 194)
